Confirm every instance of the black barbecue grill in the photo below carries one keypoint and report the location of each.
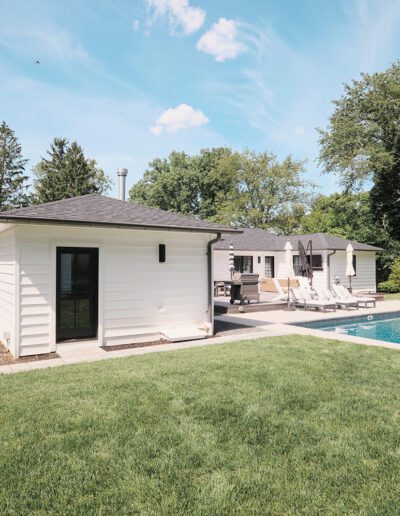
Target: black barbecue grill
(244, 288)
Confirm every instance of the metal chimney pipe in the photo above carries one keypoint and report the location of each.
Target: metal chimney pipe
(122, 173)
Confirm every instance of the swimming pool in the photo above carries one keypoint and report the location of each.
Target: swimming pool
(378, 326)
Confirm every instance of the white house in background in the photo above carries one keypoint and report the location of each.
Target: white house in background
(262, 252)
(103, 269)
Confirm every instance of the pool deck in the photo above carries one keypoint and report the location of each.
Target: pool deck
(281, 320)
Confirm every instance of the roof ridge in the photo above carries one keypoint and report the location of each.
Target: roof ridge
(24, 208)
(153, 208)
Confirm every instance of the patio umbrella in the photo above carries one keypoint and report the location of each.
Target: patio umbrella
(231, 260)
(350, 272)
(289, 267)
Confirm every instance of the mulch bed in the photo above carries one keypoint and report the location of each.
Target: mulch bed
(6, 357)
(220, 327)
(136, 345)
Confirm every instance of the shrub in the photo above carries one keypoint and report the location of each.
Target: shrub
(392, 285)
(389, 287)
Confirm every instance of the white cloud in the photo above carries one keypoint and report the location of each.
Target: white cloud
(181, 117)
(221, 40)
(180, 14)
(111, 130)
(299, 130)
(375, 30)
(135, 24)
(43, 40)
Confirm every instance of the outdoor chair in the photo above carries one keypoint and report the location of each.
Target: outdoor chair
(281, 293)
(303, 282)
(303, 298)
(326, 295)
(341, 291)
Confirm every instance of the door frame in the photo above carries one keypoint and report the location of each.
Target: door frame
(93, 293)
(53, 294)
(273, 263)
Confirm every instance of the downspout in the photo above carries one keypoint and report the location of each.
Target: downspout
(209, 271)
(329, 268)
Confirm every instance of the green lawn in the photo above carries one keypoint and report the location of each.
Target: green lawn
(289, 425)
(392, 296)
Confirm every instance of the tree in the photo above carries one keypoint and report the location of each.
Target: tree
(268, 193)
(191, 185)
(362, 143)
(67, 173)
(393, 282)
(216, 172)
(347, 215)
(246, 189)
(169, 184)
(13, 188)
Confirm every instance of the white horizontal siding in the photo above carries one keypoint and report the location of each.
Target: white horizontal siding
(221, 269)
(366, 270)
(7, 288)
(139, 295)
(221, 263)
(34, 295)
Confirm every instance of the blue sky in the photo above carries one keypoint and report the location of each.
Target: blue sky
(133, 80)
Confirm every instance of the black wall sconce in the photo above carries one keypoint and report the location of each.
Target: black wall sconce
(259, 259)
(161, 253)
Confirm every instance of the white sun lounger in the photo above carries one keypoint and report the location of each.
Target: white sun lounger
(341, 291)
(281, 293)
(326, 294)
(303, 282)
(303, 298)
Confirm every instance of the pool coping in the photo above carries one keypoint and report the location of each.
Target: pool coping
(292, 328)
(341, 337)
(334, 320)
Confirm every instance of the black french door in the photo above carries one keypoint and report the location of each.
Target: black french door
(77, 293)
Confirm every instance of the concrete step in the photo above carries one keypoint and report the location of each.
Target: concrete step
(183, 333)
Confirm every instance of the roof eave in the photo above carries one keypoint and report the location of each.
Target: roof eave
(153, 227)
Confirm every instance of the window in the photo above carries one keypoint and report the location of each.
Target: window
(243, 264)
(297, 265)
(355, 264)
(316, 263)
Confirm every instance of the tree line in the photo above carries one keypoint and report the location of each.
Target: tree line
(65, 172)
(361, 146)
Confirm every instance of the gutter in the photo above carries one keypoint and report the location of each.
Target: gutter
(329, 267)
(209, 274)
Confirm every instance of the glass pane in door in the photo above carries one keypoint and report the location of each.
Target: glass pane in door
(77, 293)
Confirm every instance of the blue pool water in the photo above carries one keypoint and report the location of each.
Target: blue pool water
(379, 326)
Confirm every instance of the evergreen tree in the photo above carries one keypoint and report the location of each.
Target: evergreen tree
(67, 173)
(12, 171)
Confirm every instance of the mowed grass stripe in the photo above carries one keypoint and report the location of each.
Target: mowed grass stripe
(288, 425)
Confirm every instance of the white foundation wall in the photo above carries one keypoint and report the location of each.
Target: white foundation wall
(138, 296)
(365, 278)
(7, 289)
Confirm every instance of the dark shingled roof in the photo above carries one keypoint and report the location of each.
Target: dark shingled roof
(262, 240)
(95, 209)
